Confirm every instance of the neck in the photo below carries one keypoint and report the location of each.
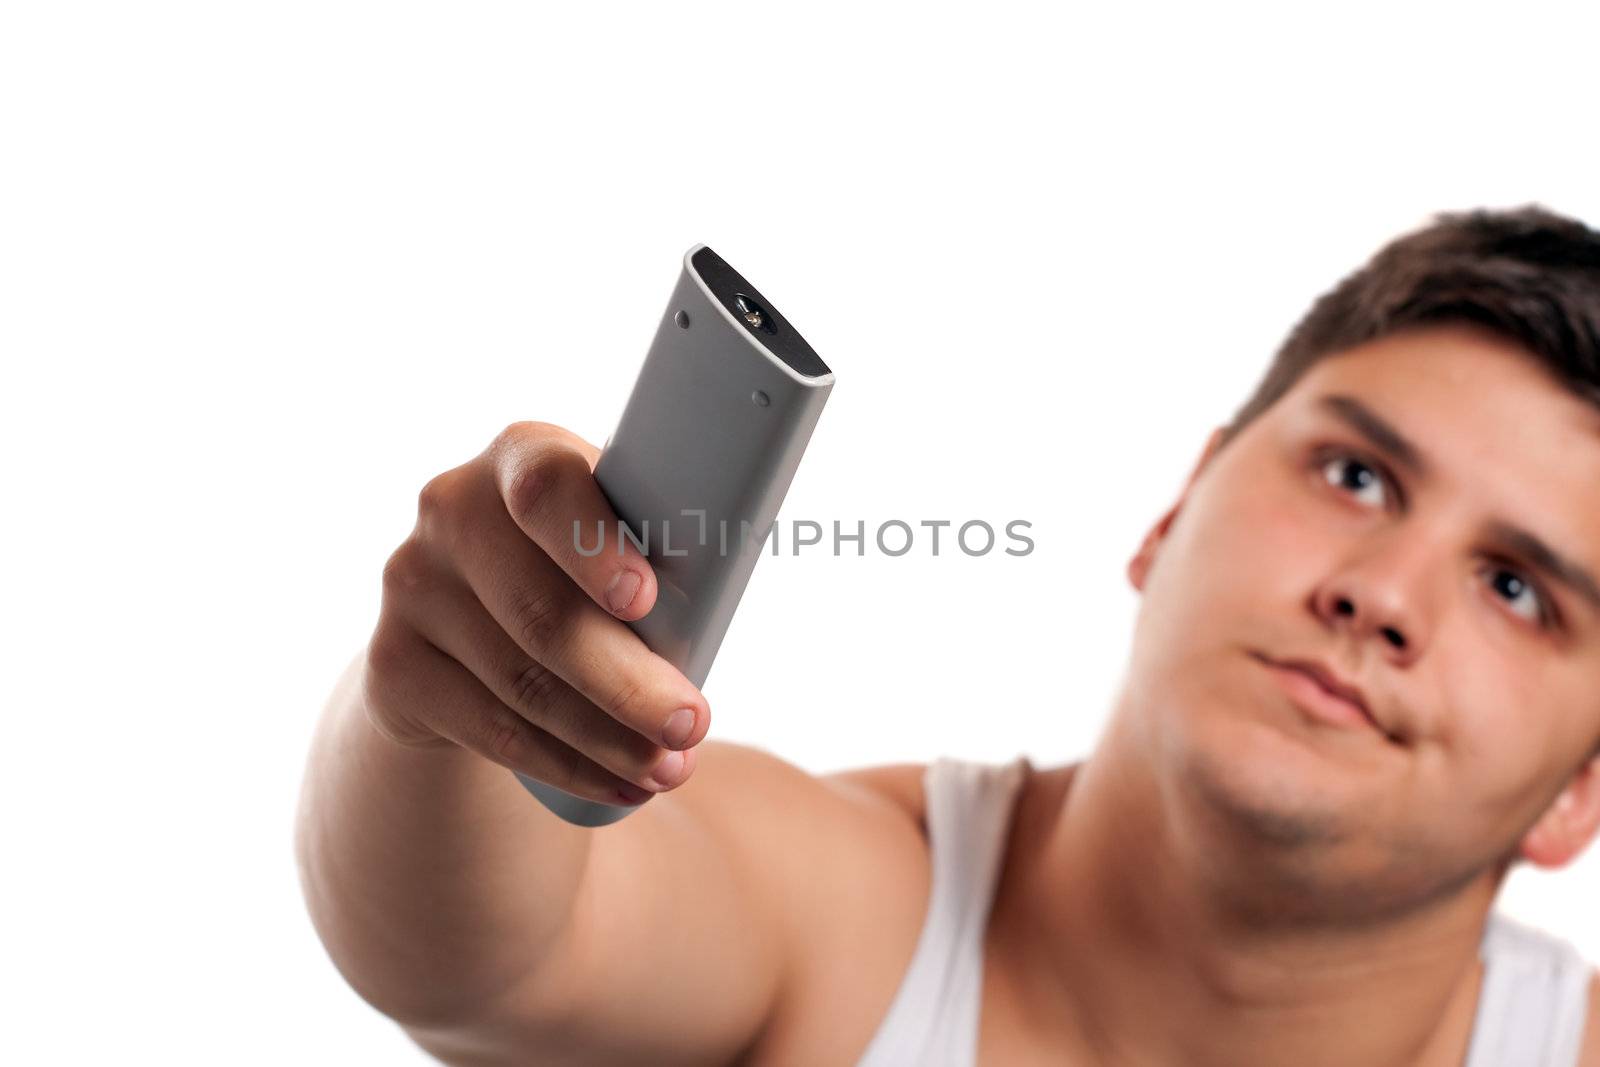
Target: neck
(1132, 950)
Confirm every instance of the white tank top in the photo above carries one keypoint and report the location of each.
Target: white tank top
(1530, 1009)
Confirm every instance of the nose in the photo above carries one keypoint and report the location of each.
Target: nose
(1344, 607)
(1381, 593)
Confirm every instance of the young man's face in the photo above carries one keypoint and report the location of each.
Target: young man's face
(1304, 539)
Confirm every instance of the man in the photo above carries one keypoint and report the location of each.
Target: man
(1362, 688)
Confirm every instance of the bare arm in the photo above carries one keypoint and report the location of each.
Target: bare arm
(432, 876)
(496, 934)
(453, 901)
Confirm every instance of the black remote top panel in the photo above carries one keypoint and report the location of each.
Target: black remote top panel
(756, 312)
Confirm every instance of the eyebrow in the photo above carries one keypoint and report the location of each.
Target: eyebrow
(1383, 436)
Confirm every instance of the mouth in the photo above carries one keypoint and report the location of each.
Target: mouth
(1315, 689)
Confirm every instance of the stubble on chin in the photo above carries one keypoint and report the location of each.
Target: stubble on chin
(1258, 806)
(1279, 860)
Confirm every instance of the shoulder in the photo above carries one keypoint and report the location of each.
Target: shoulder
(900, 786)
(896, 787)
(812, 840)
(842, 863)
(794, 805)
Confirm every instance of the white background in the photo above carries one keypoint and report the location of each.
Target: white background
(264, 269)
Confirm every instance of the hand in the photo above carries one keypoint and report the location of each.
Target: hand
(497, 635)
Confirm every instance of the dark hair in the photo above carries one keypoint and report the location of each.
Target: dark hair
(1528, 273)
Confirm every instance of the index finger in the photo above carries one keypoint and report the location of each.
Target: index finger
(545, 475)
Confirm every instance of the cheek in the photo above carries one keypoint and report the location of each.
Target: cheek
(1499, 735)
(1506, 730)
(1248, 546)
(1281, 520)
(1214, 585)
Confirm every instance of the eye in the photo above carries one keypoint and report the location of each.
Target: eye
(1514, 585)
(1352, 474)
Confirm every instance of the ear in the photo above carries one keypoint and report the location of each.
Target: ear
(1569, 823)
(1139, 566)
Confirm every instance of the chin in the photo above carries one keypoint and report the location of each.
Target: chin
(1263, 783)
(1291, 817)
(1263, 803)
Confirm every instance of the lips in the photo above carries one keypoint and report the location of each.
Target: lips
(1330, 684)
(1329, 681)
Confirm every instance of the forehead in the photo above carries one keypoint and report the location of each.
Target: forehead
(1458, 376)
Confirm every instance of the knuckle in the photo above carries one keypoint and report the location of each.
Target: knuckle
(437, 496)
(536, 484)
(388, 689)
(505, 740)
(393, 721)
(442, 503)
(518, 433)
(388, 654)
(624, 698)
(535, 689)
(530, 486)
(406, 572)
(540, 619)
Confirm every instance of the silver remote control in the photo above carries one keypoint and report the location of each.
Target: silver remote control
(699, 464)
